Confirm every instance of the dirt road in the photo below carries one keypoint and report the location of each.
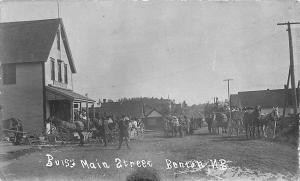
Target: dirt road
(226, 158)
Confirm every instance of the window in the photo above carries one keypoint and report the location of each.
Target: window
(66, 73)
(9, 74)
(59, 70)
(58, 39)
(52, 69)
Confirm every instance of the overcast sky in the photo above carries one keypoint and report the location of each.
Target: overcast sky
(160, 48)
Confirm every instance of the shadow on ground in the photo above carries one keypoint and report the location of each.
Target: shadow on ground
(230, 138)
(15, 154)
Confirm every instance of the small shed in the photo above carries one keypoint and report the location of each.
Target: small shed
(154, 120)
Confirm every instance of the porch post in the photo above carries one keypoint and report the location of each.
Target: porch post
(87, 115)
(94, 115)
(72, 111)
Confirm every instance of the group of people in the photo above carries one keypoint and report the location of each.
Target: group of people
(106, 127)
(251, 120)
(181, 125)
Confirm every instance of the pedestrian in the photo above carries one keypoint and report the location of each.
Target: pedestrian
(123, 131)
(101, 130)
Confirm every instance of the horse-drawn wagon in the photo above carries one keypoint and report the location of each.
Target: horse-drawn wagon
(12, 129)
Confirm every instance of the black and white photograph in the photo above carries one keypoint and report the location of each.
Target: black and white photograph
(149, 90)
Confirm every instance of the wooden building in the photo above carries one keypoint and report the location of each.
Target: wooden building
(37, 68)
(154, 120)
(265, 98)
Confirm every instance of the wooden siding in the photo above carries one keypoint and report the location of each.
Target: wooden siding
(61, 55)
(24, 100)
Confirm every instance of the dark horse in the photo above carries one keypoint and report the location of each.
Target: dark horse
(209, 120)
(219, 120)
(99, 130)
(251, 121)
(77, 126)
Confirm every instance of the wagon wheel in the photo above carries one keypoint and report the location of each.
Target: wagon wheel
(141, 133)
(15, 139)
(26, 141)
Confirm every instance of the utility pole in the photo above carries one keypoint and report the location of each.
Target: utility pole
(230, 128)
(228, 80)
(58, 8)
(292, 73)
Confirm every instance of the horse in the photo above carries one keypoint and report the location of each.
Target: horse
(237, 120)
(251, 121)
(188, 125)
(98, 129)
(175, 126)
(219, 120)
(77, 126)
(268, 122)
(209, 121)
(168, 127)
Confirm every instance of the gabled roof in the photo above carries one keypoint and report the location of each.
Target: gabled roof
(154, 110)
(31, 41)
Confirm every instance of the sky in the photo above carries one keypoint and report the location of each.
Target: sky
(180, 49)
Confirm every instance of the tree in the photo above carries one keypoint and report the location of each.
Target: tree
(184, 104)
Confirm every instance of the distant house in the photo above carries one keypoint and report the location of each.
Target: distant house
(154, 120)
(266, 98)
(37, 68)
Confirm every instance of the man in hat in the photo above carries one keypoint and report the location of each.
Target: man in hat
(123, 131)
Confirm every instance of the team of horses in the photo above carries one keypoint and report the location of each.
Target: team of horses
(174, 126)
(104, 129)
(252, 121)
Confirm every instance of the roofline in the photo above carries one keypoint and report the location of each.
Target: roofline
(54, 91)
(262, 90)
(154, 109)
(70, 97)
(81, 100)
(64, 38)
(26, 21)
(67, 46)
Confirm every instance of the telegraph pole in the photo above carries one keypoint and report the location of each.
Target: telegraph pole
(57, 1)
(228, 80)
(292, 73)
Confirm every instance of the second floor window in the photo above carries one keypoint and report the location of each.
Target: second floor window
(66, 73)
(59, 70)
(9, 74)
(52, 69)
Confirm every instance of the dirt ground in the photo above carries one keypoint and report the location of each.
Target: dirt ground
(227, 158)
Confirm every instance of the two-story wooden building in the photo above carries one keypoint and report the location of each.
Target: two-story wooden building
(37, 68)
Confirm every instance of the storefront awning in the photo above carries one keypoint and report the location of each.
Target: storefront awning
(55, 93)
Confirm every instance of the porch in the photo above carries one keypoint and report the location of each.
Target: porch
(64, 103)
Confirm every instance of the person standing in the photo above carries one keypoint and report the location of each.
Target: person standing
(123, 131)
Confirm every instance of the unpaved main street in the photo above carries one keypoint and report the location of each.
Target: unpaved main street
(245, 160)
